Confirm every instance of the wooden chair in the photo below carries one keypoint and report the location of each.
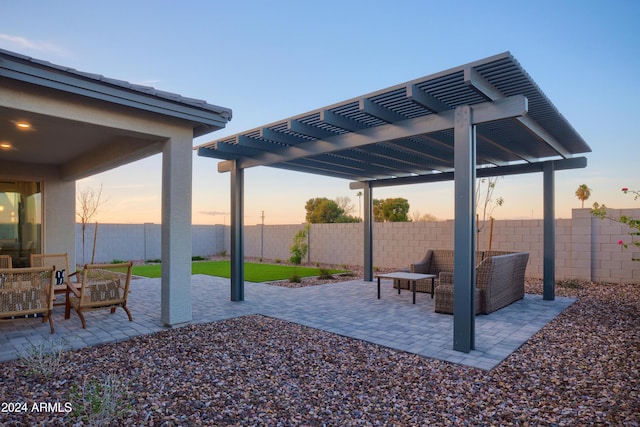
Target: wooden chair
(5, 261)
(102, 286)
(27, 292)
(62, 275)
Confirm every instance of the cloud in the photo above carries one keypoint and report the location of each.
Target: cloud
(213, 213)
(19, 43)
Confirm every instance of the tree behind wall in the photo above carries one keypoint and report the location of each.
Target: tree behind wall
(583, 193)
(391, 210)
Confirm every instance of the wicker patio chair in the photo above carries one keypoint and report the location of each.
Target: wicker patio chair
(435, 261)
(63, 274)
(103, 286)
(5, 261)
(26, 293)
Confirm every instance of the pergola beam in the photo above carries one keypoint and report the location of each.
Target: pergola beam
(342, 122)
(564, 164)
(308, 130)
(420, 97)
(371, 108)
(281, 138)
(514, 106)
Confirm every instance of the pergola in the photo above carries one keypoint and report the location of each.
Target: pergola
(486, 118)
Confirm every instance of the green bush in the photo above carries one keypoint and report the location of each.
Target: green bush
(295, 278)
(300, 246)
(197, 258)
(325, 274)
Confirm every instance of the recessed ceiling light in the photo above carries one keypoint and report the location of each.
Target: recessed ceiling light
(5, 145)
(23, 125)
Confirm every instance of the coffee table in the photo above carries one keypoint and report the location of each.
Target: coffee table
(411, 277)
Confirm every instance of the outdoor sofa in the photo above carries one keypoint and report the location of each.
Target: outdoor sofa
(499, 282)
(437, 261)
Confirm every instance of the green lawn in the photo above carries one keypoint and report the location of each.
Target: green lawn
(253, 272)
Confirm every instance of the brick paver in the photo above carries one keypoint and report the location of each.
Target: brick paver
(348, 308)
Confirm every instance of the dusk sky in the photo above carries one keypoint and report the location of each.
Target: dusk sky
(269, 60)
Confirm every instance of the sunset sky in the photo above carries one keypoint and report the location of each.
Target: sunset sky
(268, 61)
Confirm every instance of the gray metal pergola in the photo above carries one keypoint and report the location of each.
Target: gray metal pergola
(486, 118)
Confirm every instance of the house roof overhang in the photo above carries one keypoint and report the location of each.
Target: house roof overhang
(62, 139)
(405, 133)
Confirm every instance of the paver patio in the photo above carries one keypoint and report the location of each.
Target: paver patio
(347, 308)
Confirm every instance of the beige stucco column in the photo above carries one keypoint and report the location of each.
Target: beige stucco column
(176, 230)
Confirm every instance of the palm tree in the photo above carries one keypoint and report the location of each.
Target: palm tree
(583, 192)
(359, 203)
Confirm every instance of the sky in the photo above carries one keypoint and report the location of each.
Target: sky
(270, 60)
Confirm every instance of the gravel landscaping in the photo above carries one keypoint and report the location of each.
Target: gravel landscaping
(581, 369)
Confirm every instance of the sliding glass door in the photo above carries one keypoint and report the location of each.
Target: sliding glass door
(20, 220)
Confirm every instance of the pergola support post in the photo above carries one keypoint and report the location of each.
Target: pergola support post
(464, 232)
(549, 228)
(237, 232)
(368, 232)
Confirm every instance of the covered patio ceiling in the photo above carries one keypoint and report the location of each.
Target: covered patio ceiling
(406, 131)
(485, 118)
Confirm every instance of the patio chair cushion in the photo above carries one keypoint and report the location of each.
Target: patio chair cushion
(105, 291)
(20, 299)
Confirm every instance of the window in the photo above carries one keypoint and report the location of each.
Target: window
(20, 220)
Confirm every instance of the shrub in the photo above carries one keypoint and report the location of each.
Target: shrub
(100, 401)
(45, 358)
(118, 261)
(197, 258)
(325, 274)
(295, 278)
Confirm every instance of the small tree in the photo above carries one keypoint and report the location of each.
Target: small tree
(89, 202)
(300, 245)
(582, 193)
(485, 203)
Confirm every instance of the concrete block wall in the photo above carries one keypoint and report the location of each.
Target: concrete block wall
(586, 247)
(274, 243)
(142, 241)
